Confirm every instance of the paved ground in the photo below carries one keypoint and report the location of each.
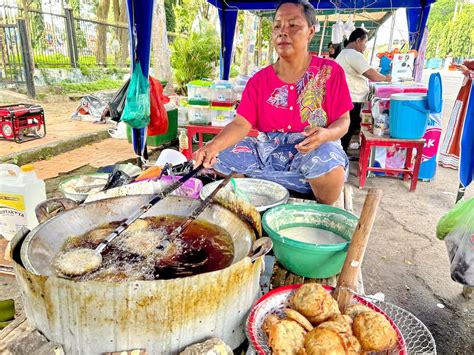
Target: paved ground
(404, 260)
(59, 127)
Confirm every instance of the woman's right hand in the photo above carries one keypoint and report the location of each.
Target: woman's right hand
(207, 155)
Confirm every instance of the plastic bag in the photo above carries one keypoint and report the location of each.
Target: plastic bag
(158, 115)
(137, 105)
(460, 245)
(452, 218)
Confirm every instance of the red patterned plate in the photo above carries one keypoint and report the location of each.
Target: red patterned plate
(275, 301)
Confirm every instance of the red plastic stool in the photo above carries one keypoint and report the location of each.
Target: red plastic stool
(368, 140)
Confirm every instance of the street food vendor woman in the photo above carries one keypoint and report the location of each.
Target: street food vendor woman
(300, 105)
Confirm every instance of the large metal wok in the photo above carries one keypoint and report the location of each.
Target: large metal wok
(161, 316)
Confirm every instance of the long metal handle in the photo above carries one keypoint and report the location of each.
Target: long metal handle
(138, 213)
(200, 208)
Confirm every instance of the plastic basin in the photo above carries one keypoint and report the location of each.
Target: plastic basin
(307, 259)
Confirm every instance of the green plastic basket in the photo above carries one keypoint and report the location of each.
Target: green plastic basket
(170, 135)
(306, 259)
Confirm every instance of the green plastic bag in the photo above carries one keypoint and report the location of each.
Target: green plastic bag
(137, 105)
(450, 219)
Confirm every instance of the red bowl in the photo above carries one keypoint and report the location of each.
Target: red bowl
(274, 302)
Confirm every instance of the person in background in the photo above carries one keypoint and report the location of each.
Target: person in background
(300, 105)
(358, 72)
(334, 50)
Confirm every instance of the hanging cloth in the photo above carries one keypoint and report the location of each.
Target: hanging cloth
(337, 35)
(348, 27)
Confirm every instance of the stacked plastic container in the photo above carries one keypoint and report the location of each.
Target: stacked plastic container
(199, 98)
(222, 104)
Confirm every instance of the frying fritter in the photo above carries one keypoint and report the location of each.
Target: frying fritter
(374, 331)
(286, 337)
(308, 299)
(97, 235)
(322, 341)
(298, 317)
(269, 322)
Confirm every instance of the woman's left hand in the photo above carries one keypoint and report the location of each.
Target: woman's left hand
(315, 136)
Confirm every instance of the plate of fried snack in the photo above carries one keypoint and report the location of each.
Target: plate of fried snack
(306, 320)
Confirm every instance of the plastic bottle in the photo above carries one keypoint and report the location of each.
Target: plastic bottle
(20, 192)
(183, 144)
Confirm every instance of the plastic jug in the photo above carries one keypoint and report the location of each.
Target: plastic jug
(20, 192)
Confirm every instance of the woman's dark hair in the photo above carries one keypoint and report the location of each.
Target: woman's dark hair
(308, 10)
(337, 49)
(359, 32)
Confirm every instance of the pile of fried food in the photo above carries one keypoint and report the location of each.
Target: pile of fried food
(314, 325)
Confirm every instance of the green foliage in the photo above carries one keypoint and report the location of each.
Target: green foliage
(37, 30)
(234, 71)
(448, 36)
(92, 86)
(170, 18)
(185, 11)
(267, 27)
(194, 56)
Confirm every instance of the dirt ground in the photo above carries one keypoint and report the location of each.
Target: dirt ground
(404, 260)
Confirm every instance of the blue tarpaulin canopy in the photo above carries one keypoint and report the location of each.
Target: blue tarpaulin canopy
(417, 14)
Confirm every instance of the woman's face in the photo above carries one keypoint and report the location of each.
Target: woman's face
(291, 33)
(331, 49)
(361, 44)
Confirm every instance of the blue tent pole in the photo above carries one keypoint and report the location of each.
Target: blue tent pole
(140, 14)
(228, 20)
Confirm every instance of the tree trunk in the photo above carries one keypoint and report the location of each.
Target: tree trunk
(270, 52)
(161, 53)
(120, 18)
(26, 5)
(102, 14)
(259, 43)
(247, 31)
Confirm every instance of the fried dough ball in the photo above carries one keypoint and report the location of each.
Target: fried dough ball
(329, 309)
(286, 337)
(374, 332)
(353, 346)
(355, 309)
(308, 299)
(341, 318)
(322, 341)
(269, 322)
(339, 327)
(298, 317)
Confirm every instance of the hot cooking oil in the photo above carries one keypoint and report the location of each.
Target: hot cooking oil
(202, 247)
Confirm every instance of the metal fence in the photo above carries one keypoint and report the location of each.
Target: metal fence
(64, 40)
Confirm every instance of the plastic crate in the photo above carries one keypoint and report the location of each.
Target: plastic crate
(167, 137)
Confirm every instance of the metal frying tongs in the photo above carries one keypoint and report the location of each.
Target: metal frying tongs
(88, 260)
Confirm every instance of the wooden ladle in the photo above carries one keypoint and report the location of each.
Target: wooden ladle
(355, 254)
